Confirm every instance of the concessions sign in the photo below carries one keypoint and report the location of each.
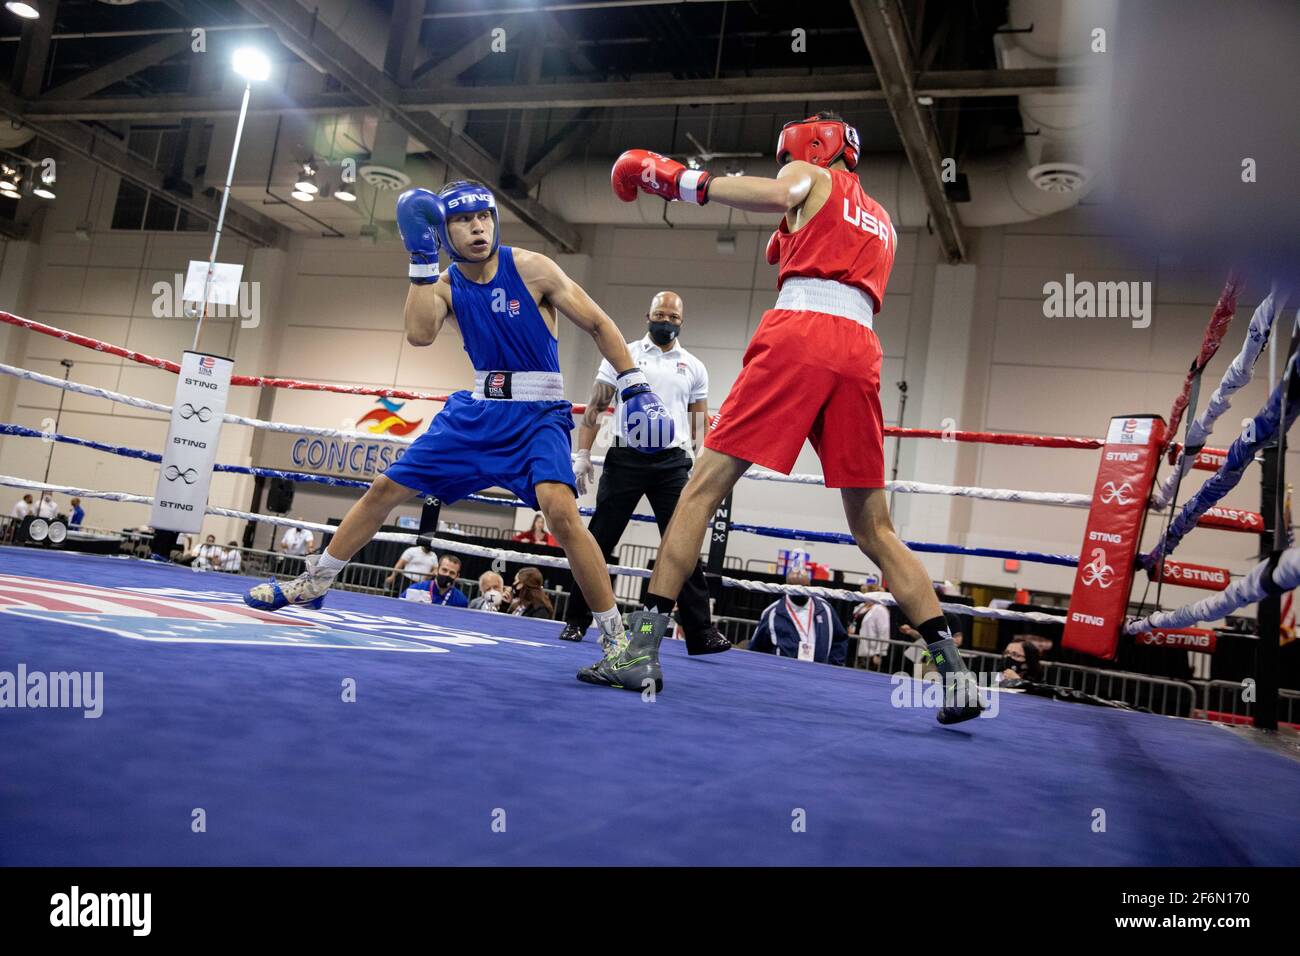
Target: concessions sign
(191, 450)
(1104, 578)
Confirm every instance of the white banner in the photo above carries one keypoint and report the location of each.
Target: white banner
(191, 450)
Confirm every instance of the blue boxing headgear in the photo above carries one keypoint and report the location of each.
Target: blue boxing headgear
(462, 197)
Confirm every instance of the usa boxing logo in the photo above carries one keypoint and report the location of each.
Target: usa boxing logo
(1110, 494)
(497, 385)
(1097, 571)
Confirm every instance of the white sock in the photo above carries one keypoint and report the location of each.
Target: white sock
(328, 565)
(611, 625)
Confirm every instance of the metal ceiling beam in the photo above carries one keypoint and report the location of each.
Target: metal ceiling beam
(74, 138)
(119, 69)
(437, 73)
(33, 53)
(823, 88)
(885, 31)
(301, 31)
(403, 39)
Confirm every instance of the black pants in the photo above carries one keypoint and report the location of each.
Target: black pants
(626, 477)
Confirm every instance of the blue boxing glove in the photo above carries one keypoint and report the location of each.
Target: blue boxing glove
(419, 213)
(650, 426)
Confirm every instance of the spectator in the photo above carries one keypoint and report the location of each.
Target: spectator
(297, 542)
(23, 507)
(48, 508)
(78, 514)
(531, 599)
(537, 534)
(1021, 661)
(294, 544)
(801, 626)
(233, 559)
(441, 589)
(209, 555)
(871, 625)
(491, 592)
(416, 563)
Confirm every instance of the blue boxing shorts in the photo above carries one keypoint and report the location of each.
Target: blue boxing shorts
(477, 443)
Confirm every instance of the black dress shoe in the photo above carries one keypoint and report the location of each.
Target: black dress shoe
(572, 632)
(708, 641)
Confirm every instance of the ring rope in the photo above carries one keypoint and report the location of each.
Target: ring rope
(121, 399)
(1237, 375)
(997, 614)
(1064, 499)
(1264, 580)
(519, 557)
(1215, 330)
(989, 438)
(1264, 426)
(785, 533)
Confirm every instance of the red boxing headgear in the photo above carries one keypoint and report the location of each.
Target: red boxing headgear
(818, 141)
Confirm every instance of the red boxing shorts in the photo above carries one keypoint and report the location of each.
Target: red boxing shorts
(814, 376)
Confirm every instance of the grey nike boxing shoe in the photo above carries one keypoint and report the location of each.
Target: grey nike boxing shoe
(634, 664)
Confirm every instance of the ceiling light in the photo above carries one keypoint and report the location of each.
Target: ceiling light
(302, 196)
(307, 180)
(24, 10)
(43, 191)
(346, 194)
(251, 63)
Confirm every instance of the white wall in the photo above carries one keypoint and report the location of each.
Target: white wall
(972, 343)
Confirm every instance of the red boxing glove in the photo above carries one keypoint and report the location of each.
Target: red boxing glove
(664, 177)
(774, 248)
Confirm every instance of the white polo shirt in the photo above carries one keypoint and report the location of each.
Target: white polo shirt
(296, 541)
(676, 376)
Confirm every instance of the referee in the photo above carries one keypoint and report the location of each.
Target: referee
(682, 382)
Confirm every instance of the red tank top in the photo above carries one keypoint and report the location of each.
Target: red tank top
(850, 240)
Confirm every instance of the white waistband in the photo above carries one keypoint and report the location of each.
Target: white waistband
(826, 295)
(524, 386)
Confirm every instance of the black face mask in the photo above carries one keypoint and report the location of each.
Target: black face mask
(1010, 663)
(799, 599)
(444, 581)
(661, 333)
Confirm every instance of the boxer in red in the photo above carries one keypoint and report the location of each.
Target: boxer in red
(811, 371)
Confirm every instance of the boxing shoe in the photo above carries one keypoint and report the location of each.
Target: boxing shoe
(961, 693)
(573, 632)
(708, 641)
(306, 590)
(634, 664)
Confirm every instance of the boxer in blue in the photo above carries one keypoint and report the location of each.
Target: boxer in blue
(513, 429)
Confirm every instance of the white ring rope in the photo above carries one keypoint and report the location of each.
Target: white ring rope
(1237, 375)
(1061, 498)
(118, 397)
(887, 599)
(520, 557)
(1247, 590)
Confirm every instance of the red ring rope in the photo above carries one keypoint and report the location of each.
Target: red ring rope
(987, 438)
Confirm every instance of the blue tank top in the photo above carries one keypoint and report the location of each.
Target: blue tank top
(501, 326)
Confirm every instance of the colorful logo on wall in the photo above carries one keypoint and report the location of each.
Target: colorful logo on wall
(386, 419)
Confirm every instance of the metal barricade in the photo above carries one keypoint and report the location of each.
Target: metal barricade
(735, 629)
(1160, 695)
(1231, 702)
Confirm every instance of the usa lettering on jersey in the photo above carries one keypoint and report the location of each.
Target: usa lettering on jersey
(861, 219)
